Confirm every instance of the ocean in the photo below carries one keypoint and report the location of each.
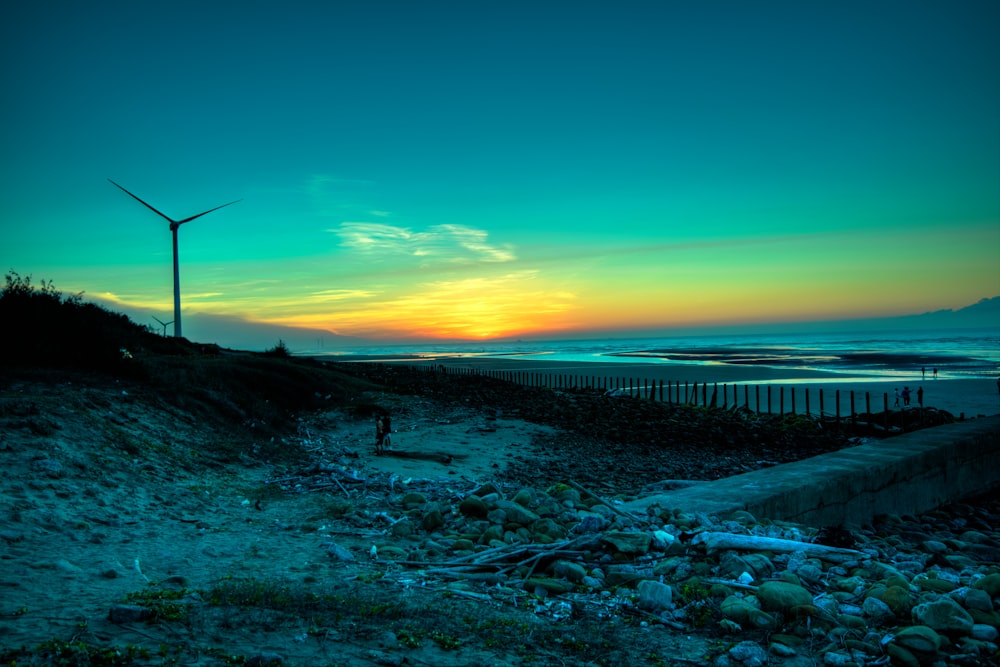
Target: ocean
(954, 354)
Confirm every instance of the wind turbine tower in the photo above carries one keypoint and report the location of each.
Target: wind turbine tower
(174, 225)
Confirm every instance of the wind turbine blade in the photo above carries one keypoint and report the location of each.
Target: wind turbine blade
(181, 222)
(172, 222)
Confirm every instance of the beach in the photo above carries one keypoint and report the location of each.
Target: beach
(969, 396)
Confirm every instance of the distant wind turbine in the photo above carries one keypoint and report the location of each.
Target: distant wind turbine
(174, 225)
(163, 323)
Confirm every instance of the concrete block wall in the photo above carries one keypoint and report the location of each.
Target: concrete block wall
(907, 474)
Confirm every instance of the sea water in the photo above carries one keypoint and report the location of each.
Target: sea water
(959, 353)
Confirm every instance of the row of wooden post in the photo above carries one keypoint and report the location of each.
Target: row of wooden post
(677, 393)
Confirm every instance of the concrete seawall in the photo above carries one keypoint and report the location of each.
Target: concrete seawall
(907, 474)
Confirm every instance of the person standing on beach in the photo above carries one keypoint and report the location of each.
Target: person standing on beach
(387, 432)
(379, 435)
(906, 396)
(920, 396)
(923, 372)
(935, 374)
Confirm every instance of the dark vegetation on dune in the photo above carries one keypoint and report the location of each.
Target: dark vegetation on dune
(49, 336)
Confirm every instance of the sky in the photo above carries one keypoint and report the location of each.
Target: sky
(486, 170)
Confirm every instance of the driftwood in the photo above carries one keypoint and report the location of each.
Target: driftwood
(714, 541)
(502, 560)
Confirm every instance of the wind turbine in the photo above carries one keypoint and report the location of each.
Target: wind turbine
(174, 225)
(163, 323)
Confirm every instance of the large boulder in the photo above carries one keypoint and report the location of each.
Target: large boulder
(628, 542)
(944, 615)
(782, 596)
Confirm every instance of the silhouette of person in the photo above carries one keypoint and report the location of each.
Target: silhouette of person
(387, 432)
(923, 372)
(920, 396)
(906, 396)
(379, 435)
(935, 374)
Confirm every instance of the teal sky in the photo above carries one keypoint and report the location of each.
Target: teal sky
(494, 169)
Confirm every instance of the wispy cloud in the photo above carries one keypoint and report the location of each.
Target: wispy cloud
(443, 243)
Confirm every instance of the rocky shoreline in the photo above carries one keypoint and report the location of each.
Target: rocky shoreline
(903, 591)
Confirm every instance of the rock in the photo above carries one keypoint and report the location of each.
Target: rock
(664, 541)
(524, 497)
(943, 615)
(654, 596)
(918, 639)
(923, 582)
(835, 659)
(976, 598)
(432, 520)
(628, 542)
(990, 583)
(473, 506)
(901, 657)
(129, 613)
(782, 596)
(877, 611)
(568, 570)
(340, 553)
(265, 660)
(746, 614)
(974, 537)
(935, 547)
(985, 633)
(516, 513)
(591, 523)
(548, 528)
(547, 584)
(899, 600)
(985, 617)
(782, 650)
(749, 654)
(487, 489)
(413, 499)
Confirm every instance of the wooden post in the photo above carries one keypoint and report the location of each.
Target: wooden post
(746, 396)
(769, 411)
(852, 407)
(756, 388)
(792, 390)
(868, 402)
(821, 403)
(885, 410)
(837, 395)
(781, 401)
(807, 402)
